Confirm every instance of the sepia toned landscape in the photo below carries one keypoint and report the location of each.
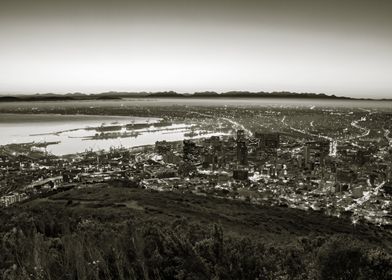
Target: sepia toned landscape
(187, 187)
(195, 140)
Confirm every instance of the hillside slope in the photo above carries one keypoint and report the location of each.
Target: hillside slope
(105, 232)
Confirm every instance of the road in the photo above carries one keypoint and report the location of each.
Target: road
(333, 142)
(365, 131)
(237, 125)
(365, 197)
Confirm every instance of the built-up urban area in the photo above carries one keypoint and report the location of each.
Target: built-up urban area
(267, 167)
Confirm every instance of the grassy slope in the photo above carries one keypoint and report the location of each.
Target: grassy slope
(115, 205)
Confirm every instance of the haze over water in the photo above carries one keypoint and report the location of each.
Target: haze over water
(259, 102)
(71, 133)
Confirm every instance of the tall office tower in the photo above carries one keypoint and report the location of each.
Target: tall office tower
(324, 148)
(306, 156)
(242, 153)
(189, 150)
(240, 135)
(268, 140)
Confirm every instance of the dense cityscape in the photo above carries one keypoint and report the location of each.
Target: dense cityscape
(195, 140)
(338, 163)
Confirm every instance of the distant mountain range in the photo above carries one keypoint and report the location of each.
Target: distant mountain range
(170, 94)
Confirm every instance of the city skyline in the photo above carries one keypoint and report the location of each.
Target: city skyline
(195, 139)
(96, 46)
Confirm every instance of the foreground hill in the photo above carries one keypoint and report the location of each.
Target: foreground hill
(105, 232)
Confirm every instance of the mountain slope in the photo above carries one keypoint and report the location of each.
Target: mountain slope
(123, 233)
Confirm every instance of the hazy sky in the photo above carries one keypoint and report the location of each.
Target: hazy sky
(341, 47)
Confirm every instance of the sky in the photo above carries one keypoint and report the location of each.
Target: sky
(332, 46)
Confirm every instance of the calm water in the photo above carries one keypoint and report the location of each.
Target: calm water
(72, 132)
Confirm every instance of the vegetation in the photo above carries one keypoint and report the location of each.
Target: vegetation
(120, 233)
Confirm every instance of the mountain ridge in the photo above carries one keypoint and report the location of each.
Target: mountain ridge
(113, 95)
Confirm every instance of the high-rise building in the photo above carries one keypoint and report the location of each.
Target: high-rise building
(162, 147)
(242, 153)
(306, 156)
(320, 147)
(240, 135)
(240, 174)
(268, 140)
(189, 150)
(345, 176)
